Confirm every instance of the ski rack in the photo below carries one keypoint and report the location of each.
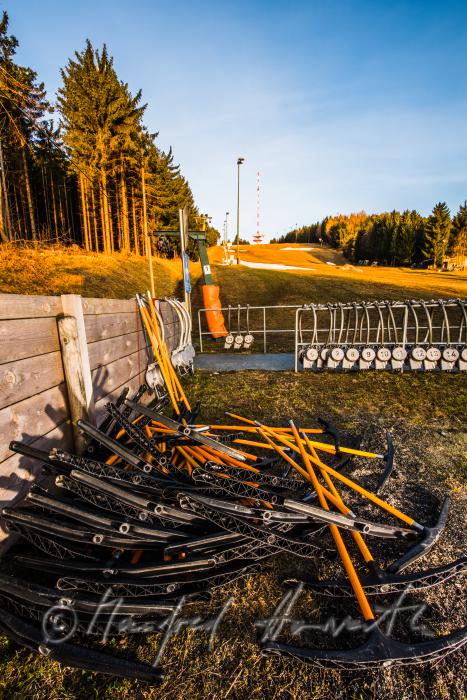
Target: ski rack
(412, 335)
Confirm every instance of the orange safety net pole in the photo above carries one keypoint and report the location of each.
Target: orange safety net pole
(365, 607)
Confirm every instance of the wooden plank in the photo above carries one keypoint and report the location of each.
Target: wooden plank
(133, 384)
(103, 352)
(23, 378)
(27, 337)
(109, 377)
(74, 377)
(26, 306)
(17, 473)
(72, 306)
(110, 326)
(108, 306)
(28, 420)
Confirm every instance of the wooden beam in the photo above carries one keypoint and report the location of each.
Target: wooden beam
(27, 337)
(16, 306)
(103, 352)
(72, 306)
(21, 379)
(108, 306)
(102, 326)
(37, 415)
(74, 376)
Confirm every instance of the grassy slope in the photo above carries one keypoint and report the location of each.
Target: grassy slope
(327, 283)
(425, 412)
(242, 285)
(71, 271)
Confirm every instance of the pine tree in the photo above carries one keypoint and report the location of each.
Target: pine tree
(22, 106)
(102, 124)
(437, 233)
(459, 235)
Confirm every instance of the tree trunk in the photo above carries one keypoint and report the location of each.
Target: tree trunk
(69, 218)
(94, 219)
(145, 232)
(110, 224)
(5, 222)
(3, 235)
(104, 213)
(62, 214)
(24, 230)
(54, 206)
(18, 215)
(119, 221)
(135, 222)
(27, 183)
(46, 202)
(124, 212)
(84, 216)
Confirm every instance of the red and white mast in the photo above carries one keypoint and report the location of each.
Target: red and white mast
(258, 237)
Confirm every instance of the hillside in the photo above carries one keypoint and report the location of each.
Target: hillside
(328, 277)
(53, 271)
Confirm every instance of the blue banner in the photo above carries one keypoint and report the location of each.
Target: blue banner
(186, 272)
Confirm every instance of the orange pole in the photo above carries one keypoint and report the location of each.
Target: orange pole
(346, 560)
(339, 503)
(353, 485)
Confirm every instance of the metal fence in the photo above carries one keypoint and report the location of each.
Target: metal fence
(399, 335)
(250, 326)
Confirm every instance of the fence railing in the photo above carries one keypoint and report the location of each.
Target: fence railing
(262, 322)
(415, 334)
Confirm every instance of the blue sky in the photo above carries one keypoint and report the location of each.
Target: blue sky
(341, 105)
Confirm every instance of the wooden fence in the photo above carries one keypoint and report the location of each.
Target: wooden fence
(34, 394)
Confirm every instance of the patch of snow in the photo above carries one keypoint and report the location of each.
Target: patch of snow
(297, 248)
(328, 262)
(275, 266)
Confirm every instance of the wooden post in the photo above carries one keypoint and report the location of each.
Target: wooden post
(74, 376)
(82, 403)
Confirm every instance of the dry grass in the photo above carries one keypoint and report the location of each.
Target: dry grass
(242, 285)
(426, 414)
(53, 271)
(336, 283)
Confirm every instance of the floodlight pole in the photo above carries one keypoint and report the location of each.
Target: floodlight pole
(239, 162)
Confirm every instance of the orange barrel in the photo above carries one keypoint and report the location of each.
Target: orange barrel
(214, 318)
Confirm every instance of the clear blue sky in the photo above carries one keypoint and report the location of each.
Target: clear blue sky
(341, 105)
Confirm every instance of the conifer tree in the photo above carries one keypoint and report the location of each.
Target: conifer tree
(437, 233)
(22, 106)
(459, 235)
(101, 122)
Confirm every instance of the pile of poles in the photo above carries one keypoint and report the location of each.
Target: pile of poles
(163, 507)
